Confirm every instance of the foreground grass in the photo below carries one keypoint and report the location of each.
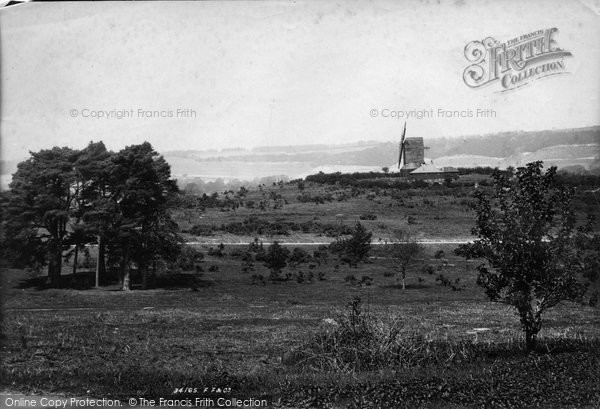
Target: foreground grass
(151, 352)
(231, 334)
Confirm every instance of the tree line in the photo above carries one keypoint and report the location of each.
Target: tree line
(62, 199)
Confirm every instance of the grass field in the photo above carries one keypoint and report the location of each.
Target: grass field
(218, 330)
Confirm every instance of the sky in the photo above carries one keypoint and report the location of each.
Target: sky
(247, 74)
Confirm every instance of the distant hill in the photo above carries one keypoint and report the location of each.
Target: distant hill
(566, 148)
(576, 150)
(507, 144)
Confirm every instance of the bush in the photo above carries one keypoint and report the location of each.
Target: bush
(299, 256)
(321, 255)
(258, 279)
(188, 260)
(355, 248)
(215, 252)
(276, 259)
(366, 280)
(444, 282)
(429, 269)
(201, 230)
(354, 341)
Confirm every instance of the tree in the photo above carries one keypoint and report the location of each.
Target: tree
(141, 185)
(354, 249)
(528, 237)
(385, 169)
(40, 207)
(276, 259)
(404, 253)
(95, 207)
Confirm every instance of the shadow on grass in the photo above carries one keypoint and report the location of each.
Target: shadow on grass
(180, 280)
(82, 280)
(85, 280)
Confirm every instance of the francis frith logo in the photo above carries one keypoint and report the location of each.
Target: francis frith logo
(516, 62)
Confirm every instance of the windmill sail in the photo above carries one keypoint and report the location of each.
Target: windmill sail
(401, 157)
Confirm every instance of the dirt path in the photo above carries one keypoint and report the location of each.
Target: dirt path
(326, 243)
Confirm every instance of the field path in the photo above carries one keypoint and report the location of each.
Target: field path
(326, 243)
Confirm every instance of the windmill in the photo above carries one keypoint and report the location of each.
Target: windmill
(412, 153)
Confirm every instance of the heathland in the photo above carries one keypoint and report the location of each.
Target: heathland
(322, 333)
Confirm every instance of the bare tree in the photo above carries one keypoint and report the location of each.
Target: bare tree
(404, 252)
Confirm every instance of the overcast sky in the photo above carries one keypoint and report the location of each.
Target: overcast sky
(277, 73)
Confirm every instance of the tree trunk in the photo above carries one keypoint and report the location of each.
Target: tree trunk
(101, 262)
(403, 279)
(531, 320)
(144, 272)
(75, 256)
(125, 268)
(54, 263)
(126, 278)
(530, 340)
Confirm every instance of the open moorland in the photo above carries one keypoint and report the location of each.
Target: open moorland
(323, 335)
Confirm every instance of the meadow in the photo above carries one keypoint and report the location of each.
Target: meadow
(218, 331)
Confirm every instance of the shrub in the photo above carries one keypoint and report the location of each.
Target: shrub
(366, 280)
(321, 255)
(276, 259)
(248, 266)
(429, 269)
(201, 230)
(355, 341)
(215, 252)
(188, 259)
(258, 279)
(299, 256)
(355, 248)
(444, 282)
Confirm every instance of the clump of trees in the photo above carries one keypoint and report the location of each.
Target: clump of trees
(61, 198)
(535, 255)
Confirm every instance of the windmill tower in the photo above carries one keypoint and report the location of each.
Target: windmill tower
(412, 153)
